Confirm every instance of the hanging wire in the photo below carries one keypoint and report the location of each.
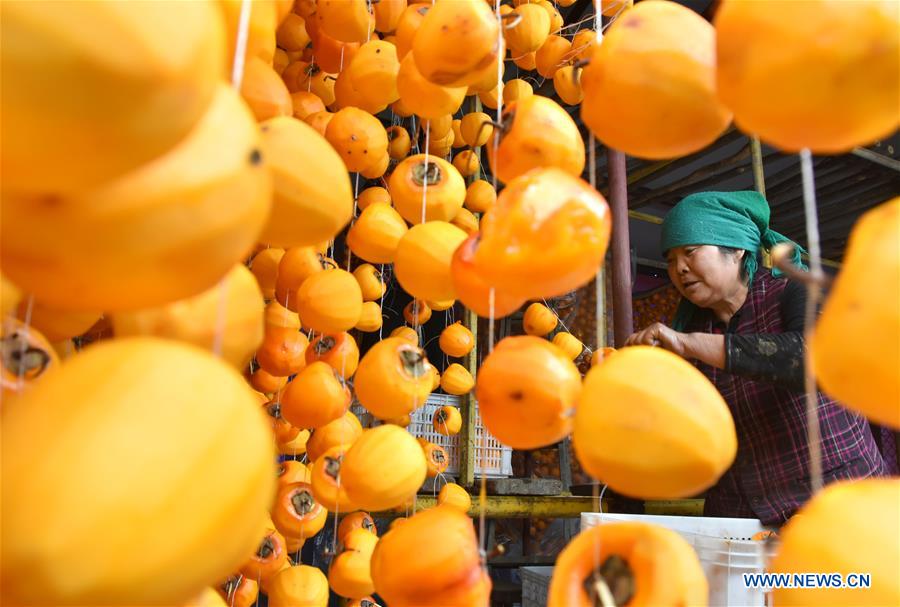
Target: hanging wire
(237, 80)
(813, 294)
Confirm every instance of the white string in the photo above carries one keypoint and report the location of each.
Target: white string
(813, 293)
(425, 181)
(237, 80)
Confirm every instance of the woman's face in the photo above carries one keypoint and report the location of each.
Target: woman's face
(704, 274)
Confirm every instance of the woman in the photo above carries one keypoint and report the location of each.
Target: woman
(742, 325)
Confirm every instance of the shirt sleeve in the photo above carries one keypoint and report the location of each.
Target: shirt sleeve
(773, 357)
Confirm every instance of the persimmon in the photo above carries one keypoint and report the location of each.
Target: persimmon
(425, 188)
(296, 513)
(392, 378)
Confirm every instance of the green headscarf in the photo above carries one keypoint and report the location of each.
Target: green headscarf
(738, 220)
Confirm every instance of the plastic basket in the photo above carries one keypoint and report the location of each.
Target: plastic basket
(492, 459)
(535, 583)
(723, 545)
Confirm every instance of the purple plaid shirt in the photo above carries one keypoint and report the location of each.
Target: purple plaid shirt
(769, 479)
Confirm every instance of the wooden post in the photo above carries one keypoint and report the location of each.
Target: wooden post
(621, 247)
(759, 174)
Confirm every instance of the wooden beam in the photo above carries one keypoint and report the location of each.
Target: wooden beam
(623, 322)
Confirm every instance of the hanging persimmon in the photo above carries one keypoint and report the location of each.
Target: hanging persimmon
(424, 98)
(296, 513)
(376, 233)
(490, 98)
(552, 55)
(387, 14)
(417, 312)
(342, 431)
(283, 351)
(529, 28)
(68, 143)
(456, 340)
(480, 196)
(264, 267)
(407, 26)
(556, 19)
(295, 447)
(345, 20)
(117, 393)
(377, 169)
(454, 496)
(472, 288)
(315, 397)
(383, 468)
(467, 163)
(204, 202)
(319, 121)
(349, 574)
(539, 320)
(329, 301)
(407, 334)
(300, 585)
(476, 129)
(425, 185)
(371, 319)
(539, 214)
(392, 378)
(640, 564)
(803, 547)
(263, 22)
(567, 84)
(239, 591)
(313, 198)
(327, 485)
(568, 343)
(870, 266)
(466, 221)
(55, 325)
(516, 90)
(266, 382)
(447, 569)
(338, 351)
(679, 431)
(374, 72)
(583, 43)
(457, 380)
(291, 35)
(269, 558)
(331, 54)
(356, 520)
(398, 142)
(422, 262)
(26, 356)
(672, 48)
(358, 137)
(526, 61)
(265, 91)
(447, 421)
(282, 429)
(436, 459)
(835, 72)
(371, 282)
(373, 194)
(292, 471)
(446, 29)
(526, 390)
(280, 61)
(523, 145)
(490, 77)
(279, 317)
(296, 265)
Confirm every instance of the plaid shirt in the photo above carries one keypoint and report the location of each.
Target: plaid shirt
(769, 479)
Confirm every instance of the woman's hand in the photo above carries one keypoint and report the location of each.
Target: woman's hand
(659, 334)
